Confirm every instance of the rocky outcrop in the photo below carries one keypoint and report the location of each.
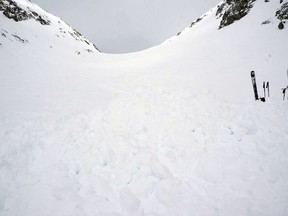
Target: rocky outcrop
(12, 11)
(15, 10)
(282, 13)
(232, 10)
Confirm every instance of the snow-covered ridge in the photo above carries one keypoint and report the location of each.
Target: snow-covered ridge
(22, 11)
(230, 11)
(14, 11)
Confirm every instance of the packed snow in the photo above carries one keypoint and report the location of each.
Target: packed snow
(172, 130)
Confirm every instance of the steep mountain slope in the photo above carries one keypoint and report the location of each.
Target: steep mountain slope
(172, 130)
(234, 50)
(15, 29)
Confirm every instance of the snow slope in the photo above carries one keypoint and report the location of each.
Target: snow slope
(172, 130)
(26, 23)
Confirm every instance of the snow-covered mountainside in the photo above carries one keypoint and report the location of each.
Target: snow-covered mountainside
(40, 29)
(229, 11)
(172, 130)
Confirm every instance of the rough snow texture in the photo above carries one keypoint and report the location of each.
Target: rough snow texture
(173, 130)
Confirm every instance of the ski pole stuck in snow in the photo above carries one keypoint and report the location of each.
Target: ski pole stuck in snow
(284, 89)
(268, 90)
(284, 92)
(264, 87)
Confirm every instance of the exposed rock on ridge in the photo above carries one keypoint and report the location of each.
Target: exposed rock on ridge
(24, 10)
(233, 10)
(12, 11)
(282, 13)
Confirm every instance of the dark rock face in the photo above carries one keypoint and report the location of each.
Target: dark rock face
(11, 37)
(196, 21)
(266, 22)
(282, 13)
(19, 39)
(233, 10)
(15, 11)
(12, 11)
(281, 26)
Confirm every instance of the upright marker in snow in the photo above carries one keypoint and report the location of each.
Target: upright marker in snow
(268, 90)
(253, 78)
(264, 87)
(284, 92)
(284, 89)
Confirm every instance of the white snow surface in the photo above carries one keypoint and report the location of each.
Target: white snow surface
(172, 130)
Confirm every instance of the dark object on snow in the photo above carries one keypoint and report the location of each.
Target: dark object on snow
(284, 92)
(233, 10)
(13, 11)
(263, 99)
(282, 13)
(268, 90)
(253, 78)
(266, 86)
(266, 22)
(281, 26)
